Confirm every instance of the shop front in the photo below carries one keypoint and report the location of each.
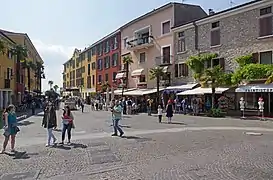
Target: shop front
(251, 94)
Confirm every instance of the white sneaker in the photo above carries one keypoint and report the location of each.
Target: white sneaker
(55, 141)
(47, 145)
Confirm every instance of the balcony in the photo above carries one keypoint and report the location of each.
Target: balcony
(163, 60)
(140, 43)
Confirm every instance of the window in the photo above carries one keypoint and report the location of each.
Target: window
(93, 51)
(115, 43)
(215, 34)
(266, 57)
(142, 57)
(265, 22)
(89, 69)
(93, 80)
(9, 55)
(93, 65)
(114, 76)
(99, 49)
(88, 82)
(107, 62)
(107, 47)
(125, 42)
(181, 70)
(166, 53)
(9, 73)
(166, 27)
(99, 79)
(142, 79)
(89, 55)
(181, 46)
(115, 59)
(99, 64)
(215, 62)
(106, 77)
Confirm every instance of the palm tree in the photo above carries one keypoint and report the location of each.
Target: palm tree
(50, 83)
(39, 74)
(104, 86)
(21, 54)
(212, 77)
(55, 87)
(29, 66)
(156, 73)
(127, 61)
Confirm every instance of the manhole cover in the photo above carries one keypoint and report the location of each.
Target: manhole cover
(21, 176)
(102, 159)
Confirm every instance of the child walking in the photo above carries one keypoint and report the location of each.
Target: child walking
(159, 113)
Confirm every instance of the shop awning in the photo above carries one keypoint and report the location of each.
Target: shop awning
(137, 72)
(120, 75)
(201, 91)
(141, 92)
(255, 88)
(182, 87)
(119, 91)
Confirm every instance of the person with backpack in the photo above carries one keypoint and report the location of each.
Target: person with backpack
(50, 122)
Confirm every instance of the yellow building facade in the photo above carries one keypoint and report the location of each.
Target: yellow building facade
(88, 73)
(7, 65)
(33, 56)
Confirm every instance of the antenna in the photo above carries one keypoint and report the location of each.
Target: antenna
(231, 3)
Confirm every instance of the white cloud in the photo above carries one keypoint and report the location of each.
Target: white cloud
(53, 56)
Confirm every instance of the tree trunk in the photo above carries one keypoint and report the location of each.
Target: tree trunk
(157, 90)
(212, 97)
(28, 77)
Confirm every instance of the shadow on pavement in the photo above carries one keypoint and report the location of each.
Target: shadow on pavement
(78, 145)
(28, 113)
(25, 123)
(61, 146)
(57, 130)
(21, 155)
(138, 139)
(126, 117)
(178, 123)
(123, 126)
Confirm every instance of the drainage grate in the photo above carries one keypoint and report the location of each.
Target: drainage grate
(21, 176)
(102, 159)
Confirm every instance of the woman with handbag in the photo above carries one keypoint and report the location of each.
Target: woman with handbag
(11, 128)
(50, 122)
(68, 124)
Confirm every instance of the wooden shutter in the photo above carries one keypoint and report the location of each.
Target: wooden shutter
(255, 58)
(215, 37)
(266, 27)
(222, 63)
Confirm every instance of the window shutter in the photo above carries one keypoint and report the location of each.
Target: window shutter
(255, 58)
(222, 63)
(176, 70)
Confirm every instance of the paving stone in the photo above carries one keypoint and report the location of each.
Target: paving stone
(21, 176)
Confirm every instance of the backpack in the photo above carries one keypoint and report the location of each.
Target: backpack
(129, 103)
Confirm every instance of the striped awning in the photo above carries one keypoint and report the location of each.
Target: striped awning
(137, 72)
(120, 75)
(255, 88)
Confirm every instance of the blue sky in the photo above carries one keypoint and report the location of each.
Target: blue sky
(56, 27)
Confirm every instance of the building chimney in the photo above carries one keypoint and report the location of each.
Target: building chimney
(211, 12)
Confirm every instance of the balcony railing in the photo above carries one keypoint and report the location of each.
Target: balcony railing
(139, 43)
(163, 60)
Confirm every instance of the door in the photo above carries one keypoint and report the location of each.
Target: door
(166, 51)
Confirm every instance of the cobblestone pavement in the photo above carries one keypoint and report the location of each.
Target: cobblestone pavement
(201, 148)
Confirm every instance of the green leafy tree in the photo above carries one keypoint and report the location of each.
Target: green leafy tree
(212, 77)
(156, 73)
(127, 61)
(104, 86)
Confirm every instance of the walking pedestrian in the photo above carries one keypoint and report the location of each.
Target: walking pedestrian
(117, 111)
(10, 129)
(50, 122)
(82, 105)
(68, 124)
(169, 111)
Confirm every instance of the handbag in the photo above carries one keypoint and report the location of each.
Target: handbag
(17, 129)
(6, 131)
